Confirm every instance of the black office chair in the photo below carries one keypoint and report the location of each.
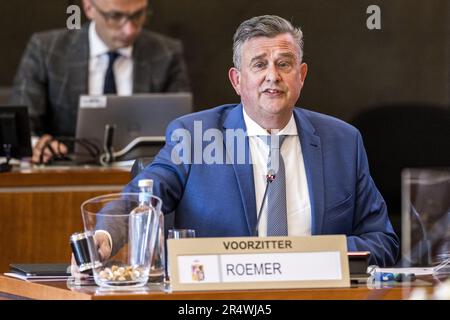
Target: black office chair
(403, 136)
(139, 164)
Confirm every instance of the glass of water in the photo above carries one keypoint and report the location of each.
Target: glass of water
(178, 234)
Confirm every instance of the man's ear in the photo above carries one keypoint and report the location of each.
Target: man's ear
(235, 78)
(303, 72)
(88, 9)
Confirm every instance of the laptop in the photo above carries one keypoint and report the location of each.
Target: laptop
(131, 117)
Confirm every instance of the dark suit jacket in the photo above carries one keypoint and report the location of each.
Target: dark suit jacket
(53, 73)
(218, 200)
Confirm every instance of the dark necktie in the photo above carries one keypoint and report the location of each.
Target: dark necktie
(276, 194)
(110, 81)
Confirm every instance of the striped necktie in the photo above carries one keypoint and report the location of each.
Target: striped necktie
(276, 194)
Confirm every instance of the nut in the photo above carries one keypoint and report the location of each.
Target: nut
(122, 273)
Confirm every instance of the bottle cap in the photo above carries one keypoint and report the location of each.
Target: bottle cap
(145, 183)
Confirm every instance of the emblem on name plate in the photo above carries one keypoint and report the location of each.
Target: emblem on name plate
(197, 271)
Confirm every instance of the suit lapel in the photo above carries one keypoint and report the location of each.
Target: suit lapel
(77, 68)
(243, 172)
(312, 156)
(142, 81)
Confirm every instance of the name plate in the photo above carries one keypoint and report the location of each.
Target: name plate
(258, 263)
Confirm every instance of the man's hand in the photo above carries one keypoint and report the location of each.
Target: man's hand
(42, 149)
(103, 246)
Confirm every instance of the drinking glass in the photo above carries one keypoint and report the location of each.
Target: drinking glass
(132, 238)
(178, 234)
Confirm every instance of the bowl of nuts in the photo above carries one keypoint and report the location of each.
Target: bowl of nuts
(125, 235)
(119, 275)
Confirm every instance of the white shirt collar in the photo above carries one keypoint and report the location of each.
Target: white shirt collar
(97, 47)
(254, 129)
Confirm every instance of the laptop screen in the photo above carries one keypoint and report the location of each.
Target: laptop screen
(140, 115)
(15, 137)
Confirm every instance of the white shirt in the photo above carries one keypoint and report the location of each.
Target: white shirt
(98, 64)
(297, 195)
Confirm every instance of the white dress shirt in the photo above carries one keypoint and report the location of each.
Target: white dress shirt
(98, 64)
(297, 195)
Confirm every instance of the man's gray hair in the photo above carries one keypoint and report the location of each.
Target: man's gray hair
(264, 26)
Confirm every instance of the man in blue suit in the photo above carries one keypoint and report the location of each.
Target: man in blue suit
(214, 178)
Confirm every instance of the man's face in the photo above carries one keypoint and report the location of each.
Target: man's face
(114, 35)
(270, 78)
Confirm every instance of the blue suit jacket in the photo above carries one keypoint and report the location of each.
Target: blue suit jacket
(218, 200)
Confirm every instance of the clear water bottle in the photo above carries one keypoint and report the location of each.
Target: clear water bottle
(138, 222)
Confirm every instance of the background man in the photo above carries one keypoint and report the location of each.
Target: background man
(329, 189)
(110, 55)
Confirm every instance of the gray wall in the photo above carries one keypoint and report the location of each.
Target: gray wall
(350, 67)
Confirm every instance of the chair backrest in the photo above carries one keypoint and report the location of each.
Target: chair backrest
(139, 164)
(403, 136)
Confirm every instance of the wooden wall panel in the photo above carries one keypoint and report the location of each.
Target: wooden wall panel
(36, 221)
